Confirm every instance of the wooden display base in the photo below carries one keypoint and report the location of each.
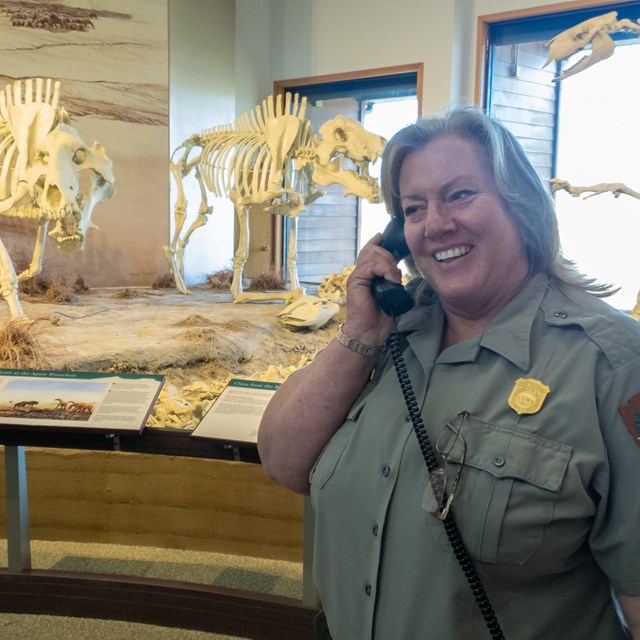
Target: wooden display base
(164, 603)
(163, 489)
(125, 493)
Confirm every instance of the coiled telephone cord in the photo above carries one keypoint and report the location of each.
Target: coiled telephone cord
(450, 526)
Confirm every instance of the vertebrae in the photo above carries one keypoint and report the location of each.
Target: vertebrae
(251, 155)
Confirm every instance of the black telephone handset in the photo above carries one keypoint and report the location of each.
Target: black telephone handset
(392, 297)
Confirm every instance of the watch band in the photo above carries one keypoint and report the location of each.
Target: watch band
(367, 350)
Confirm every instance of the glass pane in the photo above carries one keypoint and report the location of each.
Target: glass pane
(384, 118)
(598, 142)
(524, 98)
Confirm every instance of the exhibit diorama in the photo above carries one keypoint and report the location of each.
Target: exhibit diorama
(109, 261)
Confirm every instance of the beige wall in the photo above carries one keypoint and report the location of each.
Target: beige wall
(365, 34)
(318, 37)
(253, 45)
(202, 79)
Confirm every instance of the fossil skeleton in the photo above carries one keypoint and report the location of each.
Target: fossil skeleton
(184, 407)
(595, 32)
(269, 157)
(615, 188)
(41, 159)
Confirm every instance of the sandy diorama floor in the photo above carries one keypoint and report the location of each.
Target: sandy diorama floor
(200, 338)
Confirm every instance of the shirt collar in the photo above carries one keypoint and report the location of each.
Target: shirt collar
(508, 334)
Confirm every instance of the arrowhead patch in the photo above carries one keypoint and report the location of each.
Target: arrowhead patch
(630, 413)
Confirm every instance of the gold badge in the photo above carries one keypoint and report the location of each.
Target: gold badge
(528, 395)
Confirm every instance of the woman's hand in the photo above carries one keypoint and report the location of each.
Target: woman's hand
(365, 321)
(312, 404)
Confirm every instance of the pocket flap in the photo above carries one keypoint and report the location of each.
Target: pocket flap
(504, 452)
(328, 459)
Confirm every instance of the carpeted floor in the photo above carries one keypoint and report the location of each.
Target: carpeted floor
(238, 572)
(22, 627)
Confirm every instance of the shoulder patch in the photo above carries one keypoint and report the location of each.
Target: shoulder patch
(630, 413)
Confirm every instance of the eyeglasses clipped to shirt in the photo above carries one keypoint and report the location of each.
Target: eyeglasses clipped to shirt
(440, 489)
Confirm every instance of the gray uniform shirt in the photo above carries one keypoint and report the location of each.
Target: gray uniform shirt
(548, 504)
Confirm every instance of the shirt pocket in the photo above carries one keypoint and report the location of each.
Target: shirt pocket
(509, 485)
(330, 456)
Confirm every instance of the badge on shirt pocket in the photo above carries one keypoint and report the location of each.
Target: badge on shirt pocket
(527, 395)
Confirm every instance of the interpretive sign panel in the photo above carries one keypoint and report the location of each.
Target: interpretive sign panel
(78, 401)
(236, 413)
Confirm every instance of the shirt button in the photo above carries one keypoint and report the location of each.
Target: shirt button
(560, 314)
(375, 530)
(386, 470)
(499, 461)
(367, 589)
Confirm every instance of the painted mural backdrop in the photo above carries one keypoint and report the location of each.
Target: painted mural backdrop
(112, 61)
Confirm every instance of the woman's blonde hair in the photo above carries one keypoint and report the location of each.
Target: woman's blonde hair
(528, 200)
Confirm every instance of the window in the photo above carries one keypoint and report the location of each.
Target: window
(332, 230)
(582, 129)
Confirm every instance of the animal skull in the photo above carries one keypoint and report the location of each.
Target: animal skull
(345, 138)
(594, 32)
(62, 194)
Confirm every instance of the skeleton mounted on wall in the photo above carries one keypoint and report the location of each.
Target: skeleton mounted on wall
(270, 157)
(595, 32)
(41, 159)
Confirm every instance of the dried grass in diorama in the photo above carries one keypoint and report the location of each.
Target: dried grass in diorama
(80, 286)
(237, 324)
(50, 285)
(220, 280)
(194, 320)
(22, 346)
(218, 347)
(271, 280)
(163, 281)
(58, 289)
(127, 294)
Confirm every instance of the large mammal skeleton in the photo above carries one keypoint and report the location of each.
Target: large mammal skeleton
(270, 157)
(41, 159)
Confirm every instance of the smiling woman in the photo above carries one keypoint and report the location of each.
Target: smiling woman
(458, 229)
(507, 334)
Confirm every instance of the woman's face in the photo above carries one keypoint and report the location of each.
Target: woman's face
(457, 227)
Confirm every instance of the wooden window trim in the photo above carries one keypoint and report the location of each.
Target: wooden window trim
(280, 85)
(482, 34)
